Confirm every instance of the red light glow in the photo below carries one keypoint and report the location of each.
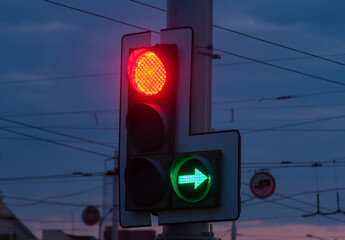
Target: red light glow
(146, 72)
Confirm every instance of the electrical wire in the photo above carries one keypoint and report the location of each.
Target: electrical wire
(56, 176)
(69, 127)
(281, 67)
(58, 78)
(279, 107)
(255, 38)
(54, 142)
(279, 45)
(279, 98)
(295, 124)
(48, 202)
(52, 181)
(35, 114)
(55, 132)
(339, 159)
(63, 196)
(219, 50)
(100, 16)
(295, 208)
(285, 167)
(275, 60)
(291, 198)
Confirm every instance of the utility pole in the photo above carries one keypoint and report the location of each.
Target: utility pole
(114, 232)
(197, 14)
(233, 231)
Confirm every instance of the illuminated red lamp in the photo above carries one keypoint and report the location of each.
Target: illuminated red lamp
(146, 72)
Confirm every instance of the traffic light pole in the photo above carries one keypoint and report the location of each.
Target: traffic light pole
(197, 14)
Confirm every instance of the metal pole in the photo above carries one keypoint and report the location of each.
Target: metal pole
(114, 232)
(197, 14)
(233, 231)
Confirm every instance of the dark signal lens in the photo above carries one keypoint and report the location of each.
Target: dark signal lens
(146, 181)
(146, 72)
(147, 126)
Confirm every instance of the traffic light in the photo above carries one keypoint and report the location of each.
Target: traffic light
(150, 126)
(164, 169)
(195, 178)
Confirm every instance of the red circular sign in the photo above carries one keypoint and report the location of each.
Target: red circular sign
(90, 215)
(262, 185)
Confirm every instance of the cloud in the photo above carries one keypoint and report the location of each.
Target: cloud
(35, 27)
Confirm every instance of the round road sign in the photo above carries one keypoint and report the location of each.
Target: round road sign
(262, 185)
(191, 177)
(90, 215)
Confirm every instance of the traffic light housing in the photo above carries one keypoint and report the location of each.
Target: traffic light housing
(164, 169)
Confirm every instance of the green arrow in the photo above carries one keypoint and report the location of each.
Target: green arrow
(198, 178)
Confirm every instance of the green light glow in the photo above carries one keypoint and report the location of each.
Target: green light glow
(191, 177)
(198, 178)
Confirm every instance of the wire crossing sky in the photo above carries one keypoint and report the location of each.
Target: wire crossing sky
(280, 82)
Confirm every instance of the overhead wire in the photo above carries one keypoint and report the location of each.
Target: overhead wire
(53, 181)
(219, 50)
(296, 208)
(338, 159)
(295, 124)
(275, 60)
(35, 114)
(48, 202)
(58, 78)
(55, 132)
(54, 142)
(100, 16)
(279, 98)
(56, 176)
(318, 212)
(281, 67)
(255, 38)
(63, 196)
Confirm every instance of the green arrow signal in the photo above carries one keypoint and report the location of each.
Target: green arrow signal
(198, 178)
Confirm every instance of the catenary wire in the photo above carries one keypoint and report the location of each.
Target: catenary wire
(299, 194)
(48, 202)
(100, 16)
(58, 78)
(295, 208)
(295, 124)
(280, 98)
(276, 60)
(34, 114)
(64, 195)
(255, 38)
(56, 176)
(219, 50)
(56, 143)
(55, 132)
(281, 67)
(289, 198)
(53, 181)
(56, 140)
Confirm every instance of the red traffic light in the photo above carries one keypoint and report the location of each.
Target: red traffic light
(146, 72)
